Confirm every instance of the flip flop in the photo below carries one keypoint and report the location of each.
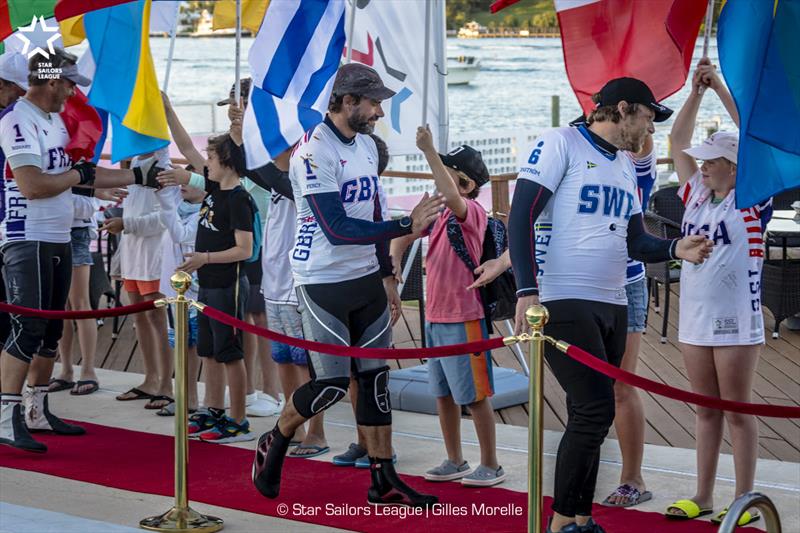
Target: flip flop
(138, 394)
(93, 386)
(169, 410)
(690, 509)
(318, 450)
(60, 384)
(159, 398)
(746, 518)
(632, 495)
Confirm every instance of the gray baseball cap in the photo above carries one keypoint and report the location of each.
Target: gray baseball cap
(14, 69)
(360, 80)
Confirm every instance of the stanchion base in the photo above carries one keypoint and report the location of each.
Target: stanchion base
(182, 521)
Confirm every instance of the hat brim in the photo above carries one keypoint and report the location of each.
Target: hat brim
(382, 93)
(227, 101)
(662, 112)
(449, 162)
(78, 79)
(706, 152)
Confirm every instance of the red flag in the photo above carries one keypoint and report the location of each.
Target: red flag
(83, 125)
(72, 8)
(606, 39)
(501, 4)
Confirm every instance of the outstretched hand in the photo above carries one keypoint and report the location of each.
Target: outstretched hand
(425, 212)
(174, 176)
(694, 248)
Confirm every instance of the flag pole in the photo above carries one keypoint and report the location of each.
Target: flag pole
(172, 35)
(426, 63)
(351, 27)
(707, 34)
(236, 85)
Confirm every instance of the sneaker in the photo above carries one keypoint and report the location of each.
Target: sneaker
(571, 528)
(363, 461)
(448, 471)
(228, 430)
(280, 400)
(483, 476)
(591, 527)
(38, 416)
(262, 407)
(349, 458)
(203, 420)
(12, 428)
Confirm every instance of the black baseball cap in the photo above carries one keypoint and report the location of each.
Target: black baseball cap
(244, 91)
(469, 161)
(360, 80)
(632, 91)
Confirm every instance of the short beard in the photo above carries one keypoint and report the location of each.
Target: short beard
(630, 143)
(359, 124)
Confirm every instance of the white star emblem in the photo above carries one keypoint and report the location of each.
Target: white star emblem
(30, 35)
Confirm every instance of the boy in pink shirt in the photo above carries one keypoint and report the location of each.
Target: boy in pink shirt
(455, 314)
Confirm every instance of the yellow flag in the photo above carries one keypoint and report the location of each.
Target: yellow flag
(72, 31)
(252, 14)
(146, 114)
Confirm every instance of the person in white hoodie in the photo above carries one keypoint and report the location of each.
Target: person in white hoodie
(180, 213)
(140, 264)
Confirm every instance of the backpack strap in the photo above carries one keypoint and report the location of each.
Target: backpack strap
(457, 242)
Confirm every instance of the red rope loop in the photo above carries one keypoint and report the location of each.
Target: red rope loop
(775, 411)
(77, 315)
(355, 351)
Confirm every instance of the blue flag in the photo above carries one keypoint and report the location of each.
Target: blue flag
(759, 47)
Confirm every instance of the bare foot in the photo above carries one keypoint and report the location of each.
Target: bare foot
(311, 444)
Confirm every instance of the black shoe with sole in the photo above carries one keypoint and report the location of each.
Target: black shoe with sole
(388, 489)
(22, 438)
(268, 462)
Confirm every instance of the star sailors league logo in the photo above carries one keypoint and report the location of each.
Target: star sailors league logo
(32, 36)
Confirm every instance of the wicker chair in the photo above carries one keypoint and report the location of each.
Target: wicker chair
(666, 203)
(661, 272)
(780, 289)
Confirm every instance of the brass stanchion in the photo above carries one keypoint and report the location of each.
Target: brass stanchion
(537, 316)
(181, 518)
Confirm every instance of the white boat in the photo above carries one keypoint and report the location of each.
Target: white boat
(462, 69)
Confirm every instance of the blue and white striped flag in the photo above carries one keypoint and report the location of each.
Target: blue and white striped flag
(293, 62)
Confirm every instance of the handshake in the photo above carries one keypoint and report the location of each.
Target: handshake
(145, 174)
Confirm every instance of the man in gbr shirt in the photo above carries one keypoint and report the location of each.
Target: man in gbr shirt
(580, 196)
(341, 286)
(39, 177)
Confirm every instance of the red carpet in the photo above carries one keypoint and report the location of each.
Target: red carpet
(220, 475)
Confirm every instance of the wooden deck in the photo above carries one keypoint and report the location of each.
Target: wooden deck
(669, 423)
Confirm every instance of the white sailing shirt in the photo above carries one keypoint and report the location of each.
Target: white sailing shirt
(322, 163)
(581, 235)
(278, 282)
(720, 302)
(32, 137)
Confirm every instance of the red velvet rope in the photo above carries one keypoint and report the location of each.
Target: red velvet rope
(775, 411)
(77, 315)
(356, 351)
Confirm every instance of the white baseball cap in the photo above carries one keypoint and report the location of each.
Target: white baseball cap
(720, 144)
(14, 69)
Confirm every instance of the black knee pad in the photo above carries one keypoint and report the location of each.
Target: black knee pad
(374, 407)
(317, 395)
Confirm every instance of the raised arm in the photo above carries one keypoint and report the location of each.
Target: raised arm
(182, 139)
(683, 127)
(444, 183)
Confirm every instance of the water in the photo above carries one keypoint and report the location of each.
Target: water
(512, 91)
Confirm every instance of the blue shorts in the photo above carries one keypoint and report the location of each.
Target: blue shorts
(80, 239)
(286, 319)
(467, 378)
(637, 305)
(192, 328)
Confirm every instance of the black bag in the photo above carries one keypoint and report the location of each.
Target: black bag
(499, 297)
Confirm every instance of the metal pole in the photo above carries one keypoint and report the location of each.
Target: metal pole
(181, 517)
(237, 92)
(351, 27)
(172, 35)
(707, 35)
(537, 316)
(440, 52)
(426, 64)
(555, 111)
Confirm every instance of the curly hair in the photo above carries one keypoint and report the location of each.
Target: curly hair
(608, 113)
(224, 147)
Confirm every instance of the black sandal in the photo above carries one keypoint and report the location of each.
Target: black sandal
(159, 398)
(139, 394)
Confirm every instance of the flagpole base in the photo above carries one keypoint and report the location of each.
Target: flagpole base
(182, 521)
